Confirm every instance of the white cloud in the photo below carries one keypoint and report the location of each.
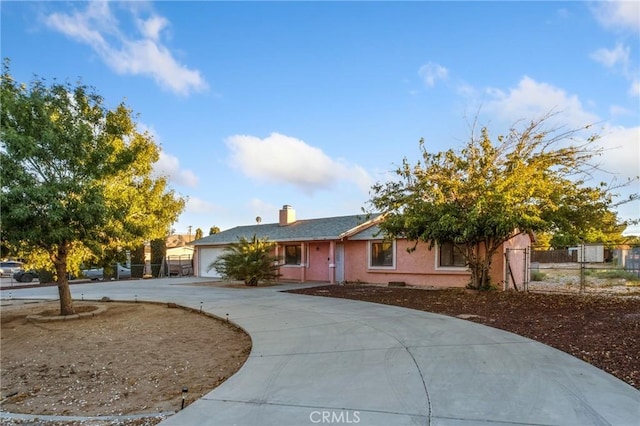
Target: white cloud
(284, 159)
(169, 165)
(198, 205)
(618, 14)
(532, 99)
(152, 27)
(431, 72)
(622, 151)
(618, 60)
(634, 90)
(612, 57)
(143, 55)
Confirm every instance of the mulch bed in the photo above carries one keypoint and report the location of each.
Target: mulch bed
(601, 330)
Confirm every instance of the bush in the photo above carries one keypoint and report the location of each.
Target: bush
(618, 273)
(538, 276)
(46, 276)
(249, 261)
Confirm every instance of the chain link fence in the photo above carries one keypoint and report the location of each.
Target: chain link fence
(588, 268)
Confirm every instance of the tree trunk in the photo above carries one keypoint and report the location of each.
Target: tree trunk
(59, 259)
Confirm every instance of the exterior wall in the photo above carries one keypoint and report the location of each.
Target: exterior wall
(416, 268)
(315, 263)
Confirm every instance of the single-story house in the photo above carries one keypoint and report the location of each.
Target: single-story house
(351, 249)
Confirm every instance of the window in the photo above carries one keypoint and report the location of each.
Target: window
(451, 255)
(293, 255)
(381, 254)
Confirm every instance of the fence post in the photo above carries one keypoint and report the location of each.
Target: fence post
(582, 269)
(506, 270)
(527, 270)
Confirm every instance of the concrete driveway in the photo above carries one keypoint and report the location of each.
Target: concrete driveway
(332, 361)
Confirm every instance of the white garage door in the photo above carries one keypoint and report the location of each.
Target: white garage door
(206, 255)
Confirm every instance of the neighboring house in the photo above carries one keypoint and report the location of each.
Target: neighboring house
(179, 255)
(350, 249)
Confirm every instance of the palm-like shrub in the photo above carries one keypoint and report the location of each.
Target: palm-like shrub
(247, 260)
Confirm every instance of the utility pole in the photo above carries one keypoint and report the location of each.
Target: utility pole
(189, 233)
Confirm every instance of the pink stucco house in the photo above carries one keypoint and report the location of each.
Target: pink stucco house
(350, 249)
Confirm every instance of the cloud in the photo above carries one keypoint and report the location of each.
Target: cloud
(634, 90)
(431, 72)
(169, 165)
(622, 151)
(618, 14)
(284, 159)
(145, 54)
(198, 205)
(532, 99)
(612, 57)
(617, 59)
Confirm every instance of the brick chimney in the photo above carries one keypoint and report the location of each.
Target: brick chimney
(287, 215)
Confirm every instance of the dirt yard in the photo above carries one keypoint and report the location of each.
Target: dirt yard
(133, 358)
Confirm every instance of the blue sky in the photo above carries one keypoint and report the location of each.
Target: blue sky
(261, 104)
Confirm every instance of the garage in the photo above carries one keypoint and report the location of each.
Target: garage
(206, 255)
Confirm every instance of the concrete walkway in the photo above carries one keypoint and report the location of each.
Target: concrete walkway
(331, 361)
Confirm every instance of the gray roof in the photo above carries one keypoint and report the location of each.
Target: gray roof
(330, 228)
(370, 233)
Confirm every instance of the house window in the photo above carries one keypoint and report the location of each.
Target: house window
(293, 255)
(451, 255)
(381, 254)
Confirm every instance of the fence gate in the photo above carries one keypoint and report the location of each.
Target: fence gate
(517, 269)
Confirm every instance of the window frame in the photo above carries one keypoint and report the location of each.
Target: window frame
(298, 255)
(370, 256)
(452, 267)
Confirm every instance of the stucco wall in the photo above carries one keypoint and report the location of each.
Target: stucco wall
(416, 268)
(315, 264)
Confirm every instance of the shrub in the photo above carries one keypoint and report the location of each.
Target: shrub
(250, 261)
(538, 276)
(618, 273)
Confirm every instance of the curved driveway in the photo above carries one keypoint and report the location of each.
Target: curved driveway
(332, 361)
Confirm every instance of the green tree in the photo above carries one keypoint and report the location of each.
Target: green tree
(158, 254)
(214, 230)
(76, 174)
(137, 261)
(198, 233)
(608, 231)
(247, 260)
(530, 180)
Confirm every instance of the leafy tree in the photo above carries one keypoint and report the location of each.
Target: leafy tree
(75, 173)
(158, 254)
(198, 233)
(214, 230)
(480, 197)
(250, 261)
(607, 231)
(137, 261)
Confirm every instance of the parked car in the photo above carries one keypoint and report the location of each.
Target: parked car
(10, 267)
(98, 273)
(23, 276)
